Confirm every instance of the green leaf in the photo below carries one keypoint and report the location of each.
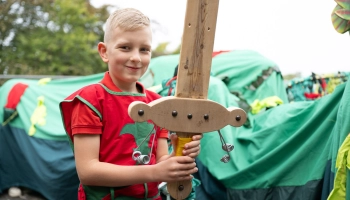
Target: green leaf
(340, 25)
(344, 3)
(344, 14)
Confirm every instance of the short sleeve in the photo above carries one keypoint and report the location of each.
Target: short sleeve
(85, 120)
(164, 133)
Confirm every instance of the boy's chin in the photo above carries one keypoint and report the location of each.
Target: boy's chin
(133, 79)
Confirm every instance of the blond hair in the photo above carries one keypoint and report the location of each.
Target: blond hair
(127, 19)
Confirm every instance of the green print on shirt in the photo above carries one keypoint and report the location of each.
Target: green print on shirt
(141, 132)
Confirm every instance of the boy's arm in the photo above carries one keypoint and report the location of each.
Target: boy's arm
(162, 150)
(93, 172)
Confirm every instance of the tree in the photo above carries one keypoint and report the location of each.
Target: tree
(51, 37)
(54, 37)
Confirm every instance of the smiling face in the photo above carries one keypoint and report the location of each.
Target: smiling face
(128, 54)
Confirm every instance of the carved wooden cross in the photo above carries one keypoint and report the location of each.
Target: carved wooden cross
(189, 112)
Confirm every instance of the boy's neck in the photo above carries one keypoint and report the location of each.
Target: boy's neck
(132, 88)
(128, 88)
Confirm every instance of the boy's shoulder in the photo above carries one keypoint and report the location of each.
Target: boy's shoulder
(85, 90)
(152, 94)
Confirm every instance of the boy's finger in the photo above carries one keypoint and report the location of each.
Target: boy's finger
(191, 150)
(184, 159)
(192, 144)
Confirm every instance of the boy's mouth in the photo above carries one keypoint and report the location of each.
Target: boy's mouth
(134, 68)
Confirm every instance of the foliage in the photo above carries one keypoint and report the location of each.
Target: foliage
(288, 77)
(51, 37)
(161, 49)
(341, 16)
(54, 37)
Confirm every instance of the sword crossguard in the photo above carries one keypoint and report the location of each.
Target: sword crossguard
(187, 114)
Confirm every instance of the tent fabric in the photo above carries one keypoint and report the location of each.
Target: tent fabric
(14, 95)
(13, 99)
(295, 153)
(52, 93)
(286, 154)
(242, 68)
(340, 132)
(43, 162)
(239, 69)
(44, 166)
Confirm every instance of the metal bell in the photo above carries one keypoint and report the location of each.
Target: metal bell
(225, 158)
(139, 158)
(136, 154)
(227, 147)
(143, 159)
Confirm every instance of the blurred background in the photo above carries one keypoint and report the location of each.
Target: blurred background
(59, 37)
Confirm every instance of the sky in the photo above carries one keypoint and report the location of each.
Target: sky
(297, 35)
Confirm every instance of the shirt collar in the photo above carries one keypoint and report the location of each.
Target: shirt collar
(107, 81)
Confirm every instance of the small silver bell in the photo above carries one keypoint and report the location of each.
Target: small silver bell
(143, 159)
(225, 158)
(139, 158)
(136, 154)
(227, 147)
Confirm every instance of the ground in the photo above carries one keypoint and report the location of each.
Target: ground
(26, 195)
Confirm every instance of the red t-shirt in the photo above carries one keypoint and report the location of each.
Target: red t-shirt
(103, 109)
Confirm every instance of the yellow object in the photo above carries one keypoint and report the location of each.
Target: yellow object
(316, 88)
(342, 162)
(181, 145)
(44, 81)
(332, 84)
(268, 102)
(38, 116)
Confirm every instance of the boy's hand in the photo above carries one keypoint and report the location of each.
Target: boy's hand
(191, 149)
(177, 168)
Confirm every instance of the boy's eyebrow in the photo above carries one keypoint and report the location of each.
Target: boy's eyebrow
(122, 42)
(119, 44)
(128, 43)
(148, 46)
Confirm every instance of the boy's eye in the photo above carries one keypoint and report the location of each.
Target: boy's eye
(145, 49)
(125, 47)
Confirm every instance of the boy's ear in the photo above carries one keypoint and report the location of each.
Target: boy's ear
(102, 50)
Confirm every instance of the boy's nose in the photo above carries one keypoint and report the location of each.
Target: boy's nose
(135, 57)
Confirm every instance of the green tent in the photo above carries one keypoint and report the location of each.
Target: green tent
(34, 149)
(287, 151)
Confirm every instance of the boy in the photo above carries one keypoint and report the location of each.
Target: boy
(107, 143)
